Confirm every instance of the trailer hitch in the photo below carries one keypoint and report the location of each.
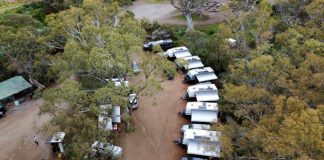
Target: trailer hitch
(177, 141)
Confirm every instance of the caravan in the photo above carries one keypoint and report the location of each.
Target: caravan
(178, 52)
(200, 75)
(188, 63)
(201, 142)
(205, 92)
(201, 112)
(107, 122)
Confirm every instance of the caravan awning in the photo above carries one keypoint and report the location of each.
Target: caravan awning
(206, 77)
(207, 96)
(202, 148)
(207, 116)
(13, 86)
(194, 64)
(182, 54)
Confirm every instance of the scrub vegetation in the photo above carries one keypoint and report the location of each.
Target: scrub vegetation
(271, 78)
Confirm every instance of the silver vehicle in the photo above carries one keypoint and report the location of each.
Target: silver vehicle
(136, 68)
(133, 100)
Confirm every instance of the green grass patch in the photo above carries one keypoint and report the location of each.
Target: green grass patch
(209, 29)
(195, 17)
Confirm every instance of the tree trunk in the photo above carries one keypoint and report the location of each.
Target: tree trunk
(36, 83)
(190, 25)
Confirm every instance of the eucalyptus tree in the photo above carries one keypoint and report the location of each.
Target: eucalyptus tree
(101, 41)
(187, 8)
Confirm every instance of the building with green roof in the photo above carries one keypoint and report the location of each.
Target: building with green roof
(13, 86)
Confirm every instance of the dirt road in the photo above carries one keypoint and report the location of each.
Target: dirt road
(157, 124)
(17, 130)
(165, 13)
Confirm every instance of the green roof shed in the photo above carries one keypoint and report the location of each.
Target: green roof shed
(13, 86)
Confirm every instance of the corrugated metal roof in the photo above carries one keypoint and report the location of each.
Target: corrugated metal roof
(13, 86)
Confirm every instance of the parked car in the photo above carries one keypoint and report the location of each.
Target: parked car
(136, 68)
(133, 100)
(3, 110)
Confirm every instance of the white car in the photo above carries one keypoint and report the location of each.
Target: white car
(133, 100)
(136, 68)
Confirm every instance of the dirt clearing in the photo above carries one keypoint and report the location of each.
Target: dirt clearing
(157, 124)
(164, 13)
(17, 130)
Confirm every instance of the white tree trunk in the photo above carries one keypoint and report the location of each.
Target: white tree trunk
(190, 25)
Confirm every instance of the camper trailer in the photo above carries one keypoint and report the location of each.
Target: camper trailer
(177, 52)
(107, 122)
(165, 45)
(200, 75)
(56, 143)
(205, 92)
(201, 142)
(188, 63)
(201, 112)
(106, 148)
(195, 126)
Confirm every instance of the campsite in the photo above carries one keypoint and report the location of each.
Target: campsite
(161, 79)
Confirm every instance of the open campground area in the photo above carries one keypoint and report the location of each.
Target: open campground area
(18, 128)
(157, 124)
(161, 80)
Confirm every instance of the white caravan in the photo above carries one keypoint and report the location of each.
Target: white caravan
(205, 92)
(107, 122)
(188, 63)
(195, 126)
(177, 52)
(200, 75)
(201, 112)
(201, 142)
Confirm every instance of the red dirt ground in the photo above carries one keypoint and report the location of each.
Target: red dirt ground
(17, 130)
(157, 124)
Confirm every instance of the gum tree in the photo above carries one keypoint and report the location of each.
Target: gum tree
(187, 8)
